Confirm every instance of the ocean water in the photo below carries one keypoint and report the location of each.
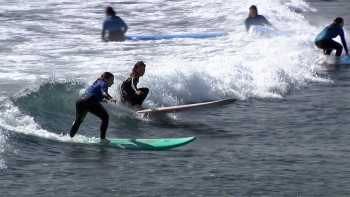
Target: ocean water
(287, 135)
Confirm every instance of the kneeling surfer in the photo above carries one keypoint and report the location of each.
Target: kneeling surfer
(128, 89)
(90, 102)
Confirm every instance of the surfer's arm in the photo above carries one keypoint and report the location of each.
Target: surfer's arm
(107, 96)
(124, 26)
(133, 84)
(265, 21)
(247, 24)
(344, 44)
(103, 33)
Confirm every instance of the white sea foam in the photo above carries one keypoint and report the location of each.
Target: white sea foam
(3, 139)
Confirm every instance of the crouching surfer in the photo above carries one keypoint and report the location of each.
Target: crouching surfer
(324, 39)
(91, 100)
(128, 89)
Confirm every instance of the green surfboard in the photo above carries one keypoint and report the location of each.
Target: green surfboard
(144, 144)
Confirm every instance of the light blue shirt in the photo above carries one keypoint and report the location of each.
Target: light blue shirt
(96, 89)
(113, 23)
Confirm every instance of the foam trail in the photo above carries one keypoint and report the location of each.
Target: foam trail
(14, 120)
(3, 139)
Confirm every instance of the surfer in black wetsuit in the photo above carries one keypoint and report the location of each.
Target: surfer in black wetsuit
(90, 102)
(255, 19)
(128, 89)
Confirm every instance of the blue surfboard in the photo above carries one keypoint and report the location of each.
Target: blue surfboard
(330, 61)
(266, 30)
(345, 60)
(171, 36)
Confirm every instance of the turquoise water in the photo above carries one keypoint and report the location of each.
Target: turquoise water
(285, 136)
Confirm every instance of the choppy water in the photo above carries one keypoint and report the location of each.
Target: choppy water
(287, 135)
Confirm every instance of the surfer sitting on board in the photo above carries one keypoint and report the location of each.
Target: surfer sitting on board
(324, 39)
(90, 102)
(115, 26)
(255, 19)
(128, 89)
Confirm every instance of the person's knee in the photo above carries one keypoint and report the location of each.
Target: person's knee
(105, 117)
(145, 91)
(338, 46)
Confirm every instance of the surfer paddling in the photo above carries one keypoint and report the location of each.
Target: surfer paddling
(128, 89)
(91, 100)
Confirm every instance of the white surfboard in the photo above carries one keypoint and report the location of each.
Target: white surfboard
(187, 106)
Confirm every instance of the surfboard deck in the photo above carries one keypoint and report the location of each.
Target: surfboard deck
(171, 36)
(187, 106)
(345, 60)
(266, 30)
(329, 63)
(144, 144)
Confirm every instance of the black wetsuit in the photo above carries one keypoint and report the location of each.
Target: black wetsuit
(90, 102)
(128, 91)
(258, 20)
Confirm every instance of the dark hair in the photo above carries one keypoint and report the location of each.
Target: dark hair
(255, 8)
(110, 11)
(337, 21)
(137, 65)
(105, 75)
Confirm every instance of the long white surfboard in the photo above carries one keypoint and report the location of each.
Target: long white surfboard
(187, 106)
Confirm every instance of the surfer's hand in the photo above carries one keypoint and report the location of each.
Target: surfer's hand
(138, 92)
(113, 100)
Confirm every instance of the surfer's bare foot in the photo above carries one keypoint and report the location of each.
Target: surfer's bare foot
(105, 141)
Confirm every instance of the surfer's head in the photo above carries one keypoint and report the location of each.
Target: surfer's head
(138, 70)
(107, 77)
(338, 22)
(253, 11)
(110, 11)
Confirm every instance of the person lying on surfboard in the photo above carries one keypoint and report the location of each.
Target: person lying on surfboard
(115, 26)
(324, 39)
(255, 19)
(129, 92)
(90, 102)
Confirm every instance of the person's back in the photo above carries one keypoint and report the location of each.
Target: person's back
(115, 26)
(258, 20)
(329, 32)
